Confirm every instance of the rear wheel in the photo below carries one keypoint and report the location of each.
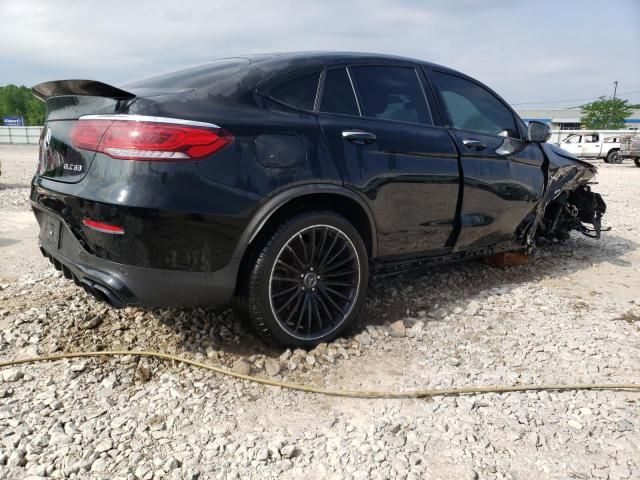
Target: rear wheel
(308, 280)
(637, 162)
(614, 157)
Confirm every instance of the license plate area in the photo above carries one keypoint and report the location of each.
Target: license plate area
(50, 234)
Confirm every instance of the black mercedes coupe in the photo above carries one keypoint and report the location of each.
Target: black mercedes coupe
(283, 181)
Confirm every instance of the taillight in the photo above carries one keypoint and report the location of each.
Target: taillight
(147, 140)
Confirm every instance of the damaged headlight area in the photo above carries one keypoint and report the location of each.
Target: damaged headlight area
(579, 209)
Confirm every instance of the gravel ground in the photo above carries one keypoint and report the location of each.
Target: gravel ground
(571, 315)
(18, 166)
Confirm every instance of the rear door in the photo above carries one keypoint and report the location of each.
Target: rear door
(386, 144)
(503, 176)
(591, 145)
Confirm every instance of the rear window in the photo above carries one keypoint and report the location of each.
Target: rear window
(299, 92)
(338, 96)
(194, 77)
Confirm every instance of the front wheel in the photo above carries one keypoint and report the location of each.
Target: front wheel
(308, 281)
(614, 157)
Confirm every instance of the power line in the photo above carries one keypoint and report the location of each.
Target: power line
(572, 100)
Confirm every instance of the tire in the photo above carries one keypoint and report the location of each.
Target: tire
(637, 162)
(614, 157)
(306, 282)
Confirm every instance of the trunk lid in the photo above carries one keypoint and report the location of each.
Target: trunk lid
(66, 102)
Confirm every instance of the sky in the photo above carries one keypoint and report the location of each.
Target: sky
(559, 52)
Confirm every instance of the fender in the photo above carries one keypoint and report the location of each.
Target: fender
(615, 149)
(270, 206)
(564, 173)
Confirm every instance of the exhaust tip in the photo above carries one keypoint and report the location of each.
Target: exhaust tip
(102, 293)
(87, 286)
(98, 291)
(107, 295)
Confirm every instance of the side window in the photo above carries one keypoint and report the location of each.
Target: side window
(338, 96)
(574, 139)
(471, 107)
(391, 93)
(298, 92)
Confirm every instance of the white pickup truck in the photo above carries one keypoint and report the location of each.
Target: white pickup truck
(593, 145)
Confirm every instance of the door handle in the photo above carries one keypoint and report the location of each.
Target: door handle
(471, 143)
(358, 137)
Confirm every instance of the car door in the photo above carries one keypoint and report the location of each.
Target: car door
(591, 145)
(573, 145)
(383, 137)
(503, 174)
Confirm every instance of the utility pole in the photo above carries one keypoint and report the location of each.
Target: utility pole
(615, 88)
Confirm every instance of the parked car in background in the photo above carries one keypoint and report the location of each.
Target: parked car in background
(592, 146)
(630, 148)
(282, 181)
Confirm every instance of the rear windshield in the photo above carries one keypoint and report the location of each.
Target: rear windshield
(194, 77)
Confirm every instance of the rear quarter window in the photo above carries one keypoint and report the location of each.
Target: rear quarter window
(299, 92)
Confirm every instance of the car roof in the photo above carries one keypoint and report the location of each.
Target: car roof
(265, 67)
(323, 57)
(260, 70)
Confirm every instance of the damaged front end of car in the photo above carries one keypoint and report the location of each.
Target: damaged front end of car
(573, 210)
(568, 203)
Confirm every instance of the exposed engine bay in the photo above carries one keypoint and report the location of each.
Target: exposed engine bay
(573, 210)
(568, 203)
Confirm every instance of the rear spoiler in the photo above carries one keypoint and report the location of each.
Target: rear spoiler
(90, 88)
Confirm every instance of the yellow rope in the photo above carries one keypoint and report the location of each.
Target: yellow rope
(323, 391)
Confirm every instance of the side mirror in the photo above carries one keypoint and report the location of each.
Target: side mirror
(538, 132)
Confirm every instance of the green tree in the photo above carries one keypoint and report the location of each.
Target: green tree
(605, 114)
(19, 101)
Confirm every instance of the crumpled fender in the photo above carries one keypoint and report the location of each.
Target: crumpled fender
(563, 172)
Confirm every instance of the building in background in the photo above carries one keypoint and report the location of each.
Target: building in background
(569, 118)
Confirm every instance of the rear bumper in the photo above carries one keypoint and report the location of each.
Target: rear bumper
(122, 285)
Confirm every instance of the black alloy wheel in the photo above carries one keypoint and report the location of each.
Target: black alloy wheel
(314, 281)
(309, 280)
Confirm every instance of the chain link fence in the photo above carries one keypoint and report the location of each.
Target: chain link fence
(20, 135)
